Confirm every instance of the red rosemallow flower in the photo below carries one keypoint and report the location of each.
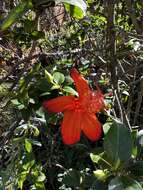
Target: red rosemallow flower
(79, 112)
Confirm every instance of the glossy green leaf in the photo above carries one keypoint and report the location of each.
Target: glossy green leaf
(55, 86)
(134, 143)
(40, 186)
(28, 145)
(16, 14)
(115, 184)
(22, 178)
(28, 163)
(75, 12)
(59, 78)
(41, 177)
(106, 127)
(77, 8)
(18, 104)
(70, 90)
(95, 158)
(90, 1)
(124, 183)
(15, 102)
(48, 76)
(99, 157)
(100, 174)
(34, 142)
(118, 142)
(35, 130)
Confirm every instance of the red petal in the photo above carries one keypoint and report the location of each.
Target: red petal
(96, 102)
(59, 104)
(91, 126)
(80, 83)
(71, 127)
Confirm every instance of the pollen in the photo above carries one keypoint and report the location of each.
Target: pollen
(78, 106)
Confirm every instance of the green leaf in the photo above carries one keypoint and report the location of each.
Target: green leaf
(22, 178)
(48, 76)
(77, 8)
(23, 126)
(16, 13)
(55, 86)
(106, 127)
(15, 102)
(118, 142)
(124, 183)
(134, 143)
(90, 1)
(75, 12)
(41, 177)
(95, 158)
(28, 161)
(70, 90)
(40, 186)
(101, 174)
(18, 104)
(59, 78)
(45, 94)
(116, 184)
(35, 130)
(28, 145)
(99, 157)
(34, 142)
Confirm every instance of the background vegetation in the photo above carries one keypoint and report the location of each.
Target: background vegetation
(40, 41)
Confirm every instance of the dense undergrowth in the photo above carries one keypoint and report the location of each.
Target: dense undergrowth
(40, 42)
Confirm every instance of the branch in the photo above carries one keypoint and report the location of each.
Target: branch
(112, 64)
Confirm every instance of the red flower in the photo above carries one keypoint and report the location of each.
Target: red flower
(79, 112)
